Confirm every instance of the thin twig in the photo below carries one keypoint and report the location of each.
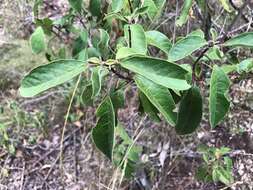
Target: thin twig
(175, 26)
(65, 123)
(136, 137)
(56, 160)
(22, 177)
(218, 41)
(50, 170)
(44, 182)
(129, 37)
(240, 14)
(120, 75)
(233, 185)
(169, 17)
(36, 100)
(53, 150)
(75, 157)
(238, 9)
(197, 60)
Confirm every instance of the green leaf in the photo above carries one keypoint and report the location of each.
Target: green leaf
(117, 5)
(201, 4)
(148, 107)
(76, 5)
(158, 40)
(214, 34)
(95, 7)
(121, 132)
(215, 175)
(245, 66)
(244, 40)
(93, 52)
(50, 75)
(103, 134)
(222, 175)
(86, 96)
(185, 13)
(176, 95)
(136, 37)
(159, 71)
(188, 76)
(83, 55)
(185, 47)
(126, 149)
(229, 68)
(103, 43)
(118, 99)
(152, 9)
(228, 163)
(214, 53)
(225, 4)
(80, 43)
(222, 151)
(46, 24)
(202, 174)
(37, 41)
(36, 5)
(155, 8)
(97, 75)
(160, 4)
(65, 21)
(62, 53)
(198, 33)
(114, 15)
(133, 155)
(121, 42)
(140, 11)
(190, 112)
(218, 101)
(159, 96)
(124, 52)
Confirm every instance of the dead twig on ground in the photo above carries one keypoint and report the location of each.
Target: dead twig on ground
(22, 176)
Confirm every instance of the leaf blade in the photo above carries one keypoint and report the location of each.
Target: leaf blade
(190, 112)
(159, 96)
(148, 107)
(76, 4)
(244, 40)
(158, 40)
(117, 5)
(152, 8)
(103, 134)
(37, 41)
(136, 37)
(185, 13)
(50, 75)
(218, 102)
(185, 47)
(159, 71)
(97, 75)
(95, 7)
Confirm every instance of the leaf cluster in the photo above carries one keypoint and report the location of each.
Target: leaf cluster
(117, 39)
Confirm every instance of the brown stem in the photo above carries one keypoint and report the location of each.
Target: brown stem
(130, 37)
(240, 14)
(120, 75)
